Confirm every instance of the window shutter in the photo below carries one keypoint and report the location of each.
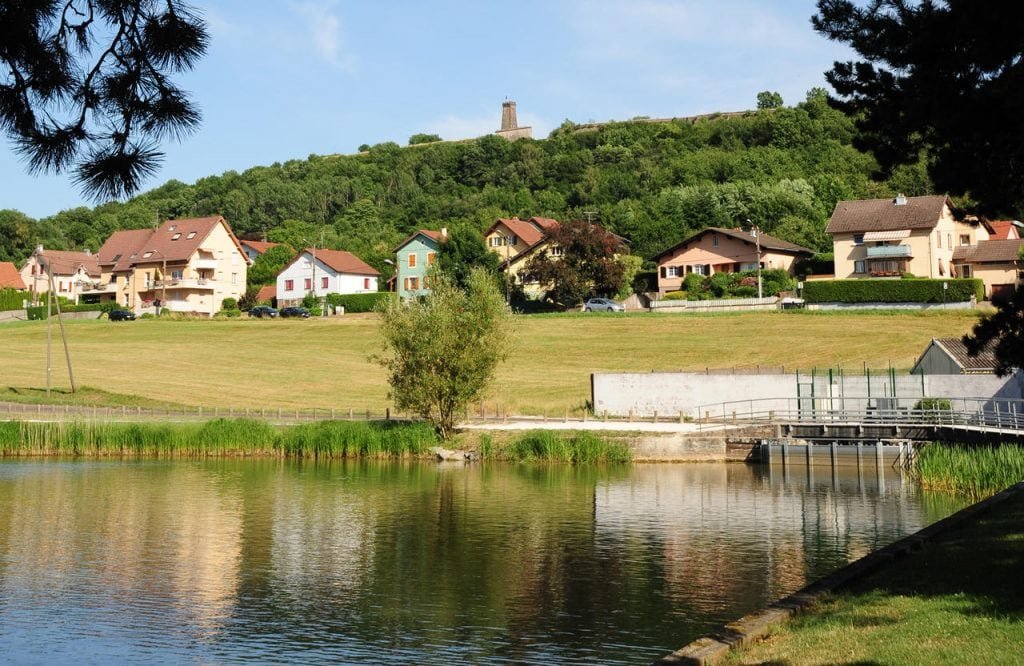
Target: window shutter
(664, 271)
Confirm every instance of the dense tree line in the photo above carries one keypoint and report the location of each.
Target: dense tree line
(651, 182)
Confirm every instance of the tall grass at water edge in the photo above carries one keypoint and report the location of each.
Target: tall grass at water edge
(975, 471)
(220, 437)
(576, 447)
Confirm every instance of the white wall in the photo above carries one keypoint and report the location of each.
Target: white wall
(337, 283)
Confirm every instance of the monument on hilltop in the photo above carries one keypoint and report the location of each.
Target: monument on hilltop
(510, 128)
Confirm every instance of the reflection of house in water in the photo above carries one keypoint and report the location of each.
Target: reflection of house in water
(728, 530)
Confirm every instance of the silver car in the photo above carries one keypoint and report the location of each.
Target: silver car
(603, 305)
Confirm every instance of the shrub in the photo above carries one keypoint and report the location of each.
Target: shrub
(12, 299)
(360, 302)
(745, 292)
(675, 296)
(693, 283)
(229, 304)
(893, 291)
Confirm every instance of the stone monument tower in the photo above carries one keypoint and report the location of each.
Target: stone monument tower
(510, 128)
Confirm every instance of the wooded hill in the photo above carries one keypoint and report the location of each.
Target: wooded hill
(653, 182)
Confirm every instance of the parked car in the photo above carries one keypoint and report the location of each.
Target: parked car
(295, 311)
(121, 315)
(603, 305)
(262, 311)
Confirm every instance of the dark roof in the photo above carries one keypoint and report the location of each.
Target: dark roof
(342, 262)
(767, 242)
(886, 215)
(955, 348)
(121, 247)
(10, 278)
(432, 235)
(991, 251)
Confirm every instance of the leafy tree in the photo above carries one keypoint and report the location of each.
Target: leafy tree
(462, 252)
(16, 236)
(249, 298)
(423, 138)
(768, 99)
(586, 267)
(441, 352)
(86, 84)
(944, 77)
(266, 267)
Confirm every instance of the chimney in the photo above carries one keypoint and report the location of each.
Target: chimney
(444, 233)
(508, 115)
(900, 200)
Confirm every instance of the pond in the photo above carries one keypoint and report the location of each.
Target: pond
(136, 561)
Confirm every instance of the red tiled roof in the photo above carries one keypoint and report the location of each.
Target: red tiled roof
(174, 242)
(343, 262)
(545, 223)
(119, 251)
(433, 235)
(267, 293)
(10, 278)
(525, 231)
(64, 262)
(885, 215)
(1001, 229)
(259, 246)
(991, 251)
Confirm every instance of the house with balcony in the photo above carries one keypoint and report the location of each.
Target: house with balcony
(323, 272)
(188, 265)
(719, 250)
(414, 257)
(890, 237)
(70, 271)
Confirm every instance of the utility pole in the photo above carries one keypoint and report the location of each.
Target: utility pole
(757, 240)
(63, 336)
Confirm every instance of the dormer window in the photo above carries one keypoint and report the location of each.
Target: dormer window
(147, 255)
(175, 237)
(191, 235)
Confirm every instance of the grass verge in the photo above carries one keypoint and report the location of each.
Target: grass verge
(960, 600)
(975, 471)
(571, 447)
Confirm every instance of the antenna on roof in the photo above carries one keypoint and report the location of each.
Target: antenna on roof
(590, 215)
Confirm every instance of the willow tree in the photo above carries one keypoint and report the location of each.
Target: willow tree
(441, 351)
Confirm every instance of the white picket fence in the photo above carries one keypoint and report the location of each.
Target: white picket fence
(767, 303)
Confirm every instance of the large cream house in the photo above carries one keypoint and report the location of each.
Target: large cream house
(187, 265)
(889, 237)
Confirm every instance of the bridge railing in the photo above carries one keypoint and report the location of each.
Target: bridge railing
(990, 414)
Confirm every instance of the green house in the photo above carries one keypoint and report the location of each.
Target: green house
(414, 257)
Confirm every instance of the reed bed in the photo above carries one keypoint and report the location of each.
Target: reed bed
(975, 471)
(576, 448)
(216, 438)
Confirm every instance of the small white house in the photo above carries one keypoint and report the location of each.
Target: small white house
(331, 272)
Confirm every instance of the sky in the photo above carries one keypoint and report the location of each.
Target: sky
(286, 79)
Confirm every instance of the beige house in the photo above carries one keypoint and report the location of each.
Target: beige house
(71, 272)
(718, 250)
(995, 262)
(187, 265)
(889, 237)
(515, 241)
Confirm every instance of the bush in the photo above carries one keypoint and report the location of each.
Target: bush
(229, 313)
(893, 291)
(12, 299)
(822, 263)
(147, 315)
(360, 302)
(229, 304)
(693, 283)
(745, 292)
(675, 296)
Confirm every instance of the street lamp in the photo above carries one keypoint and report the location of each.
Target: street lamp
(313, 248)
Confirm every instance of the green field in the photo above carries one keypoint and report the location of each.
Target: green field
(325, 363)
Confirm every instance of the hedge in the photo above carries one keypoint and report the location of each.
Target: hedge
(893, 291)
(12, 299)
(39, 311)
(359, 302)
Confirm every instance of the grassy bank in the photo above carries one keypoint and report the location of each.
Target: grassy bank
(322, 439)
(960, 600)
(256, 363)
(975, 471)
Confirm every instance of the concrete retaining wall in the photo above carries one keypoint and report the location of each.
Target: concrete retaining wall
(670, 393)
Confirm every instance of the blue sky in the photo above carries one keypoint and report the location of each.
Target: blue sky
(286, 79)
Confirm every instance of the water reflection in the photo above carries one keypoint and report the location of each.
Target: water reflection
(358, 561)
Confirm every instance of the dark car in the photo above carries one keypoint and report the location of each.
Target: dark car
(262, 311)
(121, 315)
(295, 311)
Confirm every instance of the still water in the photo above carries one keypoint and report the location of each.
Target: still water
(284, 561)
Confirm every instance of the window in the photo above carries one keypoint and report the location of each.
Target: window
(191, 235)
(494, 241)
(699, 269)
(714, 240)
(514, 240)
(949, 241)
(175, 237)
(671, 271)
(858, 239)
(942, 268)
(965, 239)
(412, 260)
(938, 239)
(325, 282)
(176, 275)
(748, 266)
(405, 284)
(556, 252)
(234, 278)
(308, 284)
(430, 258)
(965, 271)
(414, 283)
(366, 283)
(147, 255)
(859, 266)
(289, 285)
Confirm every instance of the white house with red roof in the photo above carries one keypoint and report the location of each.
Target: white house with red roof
(188, 265)
(322, 272)
(70, 272)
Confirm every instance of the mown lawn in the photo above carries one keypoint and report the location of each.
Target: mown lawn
(325, 363)
(958, 601)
